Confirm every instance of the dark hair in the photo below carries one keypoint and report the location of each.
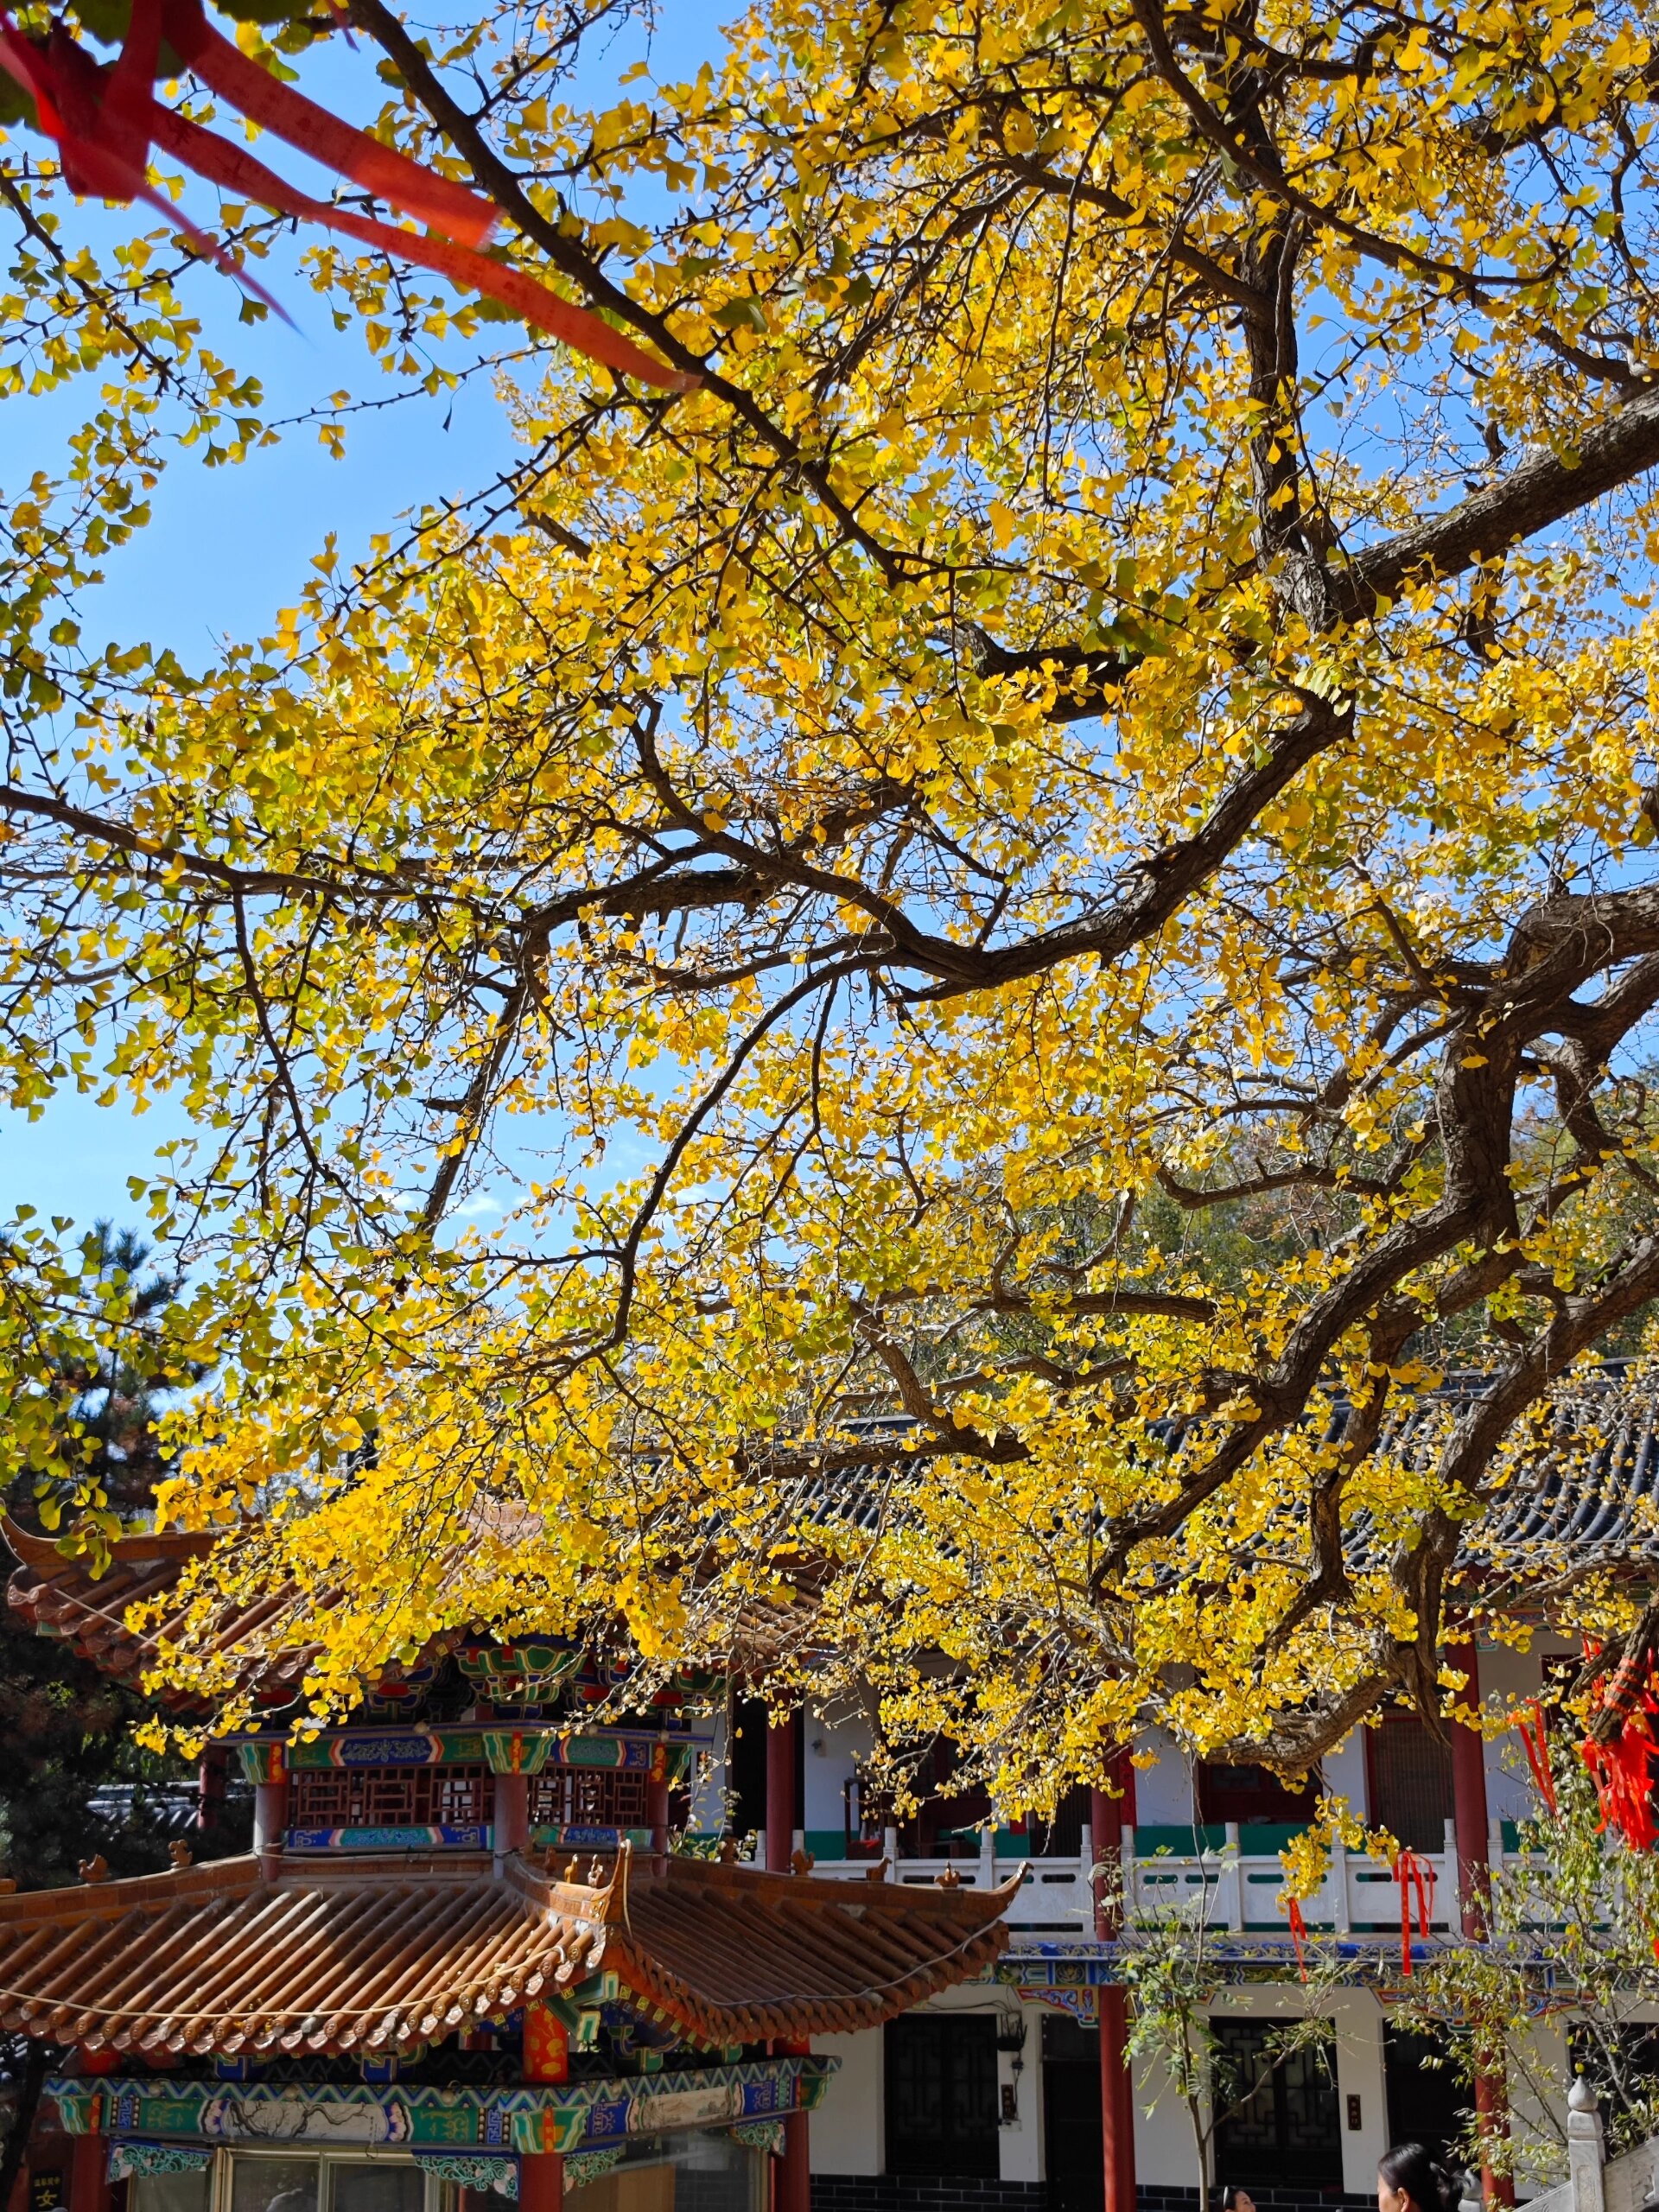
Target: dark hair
(1231, 2193)
(1408, 2168)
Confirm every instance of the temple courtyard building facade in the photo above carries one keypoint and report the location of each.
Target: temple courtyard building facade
(488, 1948)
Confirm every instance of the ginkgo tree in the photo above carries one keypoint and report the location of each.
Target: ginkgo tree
(1035, 895)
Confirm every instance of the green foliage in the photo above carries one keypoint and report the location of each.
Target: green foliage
(1573, 1923)
(1177, 1985)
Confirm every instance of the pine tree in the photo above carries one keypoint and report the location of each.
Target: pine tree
(75, 1786)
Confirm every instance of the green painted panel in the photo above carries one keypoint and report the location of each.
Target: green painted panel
(169, 2116)
(1178, 1841)
(591, 1750)
(428, 2126)
(810, 2087)
(588, 1839)
(1262, 1838)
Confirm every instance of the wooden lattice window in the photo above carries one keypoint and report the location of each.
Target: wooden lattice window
(390, 1797)
(1283, 2123)
(589, 1797)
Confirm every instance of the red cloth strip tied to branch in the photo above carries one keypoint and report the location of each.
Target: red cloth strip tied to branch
(1534, 1742)
(1622, 1766)
(1298, 1934)
(1415, 1876)
(106, 118)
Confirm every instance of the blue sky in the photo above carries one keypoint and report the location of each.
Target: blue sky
(227, 547)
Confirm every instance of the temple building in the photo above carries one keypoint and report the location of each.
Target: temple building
(461, 1962)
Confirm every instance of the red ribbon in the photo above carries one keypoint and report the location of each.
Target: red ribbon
(106, 119)
(1535, 1741)
(1622, 1768)
(1298, 1935)
(265, 99)
(1623, 1772)
(110, 167)
(1416, 1874)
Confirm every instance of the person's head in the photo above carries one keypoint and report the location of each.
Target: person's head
(1409, 2180)
(1234, 2199)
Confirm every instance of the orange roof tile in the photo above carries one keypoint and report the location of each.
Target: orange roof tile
(379, 1954)
(64, 1598)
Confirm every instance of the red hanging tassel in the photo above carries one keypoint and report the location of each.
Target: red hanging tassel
(1535, 1741)
(102, 147)
(105, 121)
(238, 171)
(1298, 1935)
(1414, 1874)
(1622, 1768)
(1623, 1772)
(253, 92)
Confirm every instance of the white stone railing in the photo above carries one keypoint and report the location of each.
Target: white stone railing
(1055, 1894)
(1594, 2183)
(1231, 1888)
(1226, 1888)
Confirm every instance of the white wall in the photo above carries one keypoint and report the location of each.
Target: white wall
(845, 2133)
(1507, 1677)
(1542, 2130)
(1020, 2146)
(1163, 1794)
(1163, 2138)
(1344, 1771)
(1358, 2018)
(828, 1749)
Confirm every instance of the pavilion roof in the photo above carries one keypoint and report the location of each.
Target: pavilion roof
(269, 1643)
(1578, 1496)
(376, 1953)
(72, 1598)
(1581, 1497)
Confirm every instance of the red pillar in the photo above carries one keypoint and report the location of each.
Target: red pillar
(89, 2172)
(510, 1814)
(1469, 1799)
(1469, 1820)
(269, 1825)
(791, 2174)
(657, 1804)
(540, 2182)
(780, 1795)
(1108, 1817)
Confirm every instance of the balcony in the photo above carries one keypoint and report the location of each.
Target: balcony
(1219, 1883)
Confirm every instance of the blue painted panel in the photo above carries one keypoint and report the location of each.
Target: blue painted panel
(477, 1836)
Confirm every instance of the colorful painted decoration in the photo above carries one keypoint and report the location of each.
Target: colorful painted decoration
(547, 2044)
(508, 2120)
(129, 2159)
(590, 2166)
(476, 2172)
(106, 119)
